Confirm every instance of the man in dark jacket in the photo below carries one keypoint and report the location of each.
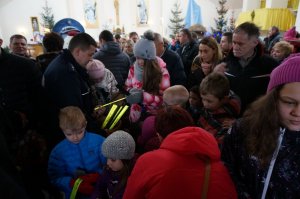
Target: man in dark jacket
(188, 50)
(173, 61)
(272, 38)
(66, 81)
(246, 67)
(113, 58)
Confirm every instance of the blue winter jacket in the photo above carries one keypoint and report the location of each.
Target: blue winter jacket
(67, 159)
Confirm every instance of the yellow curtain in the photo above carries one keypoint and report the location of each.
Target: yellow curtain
(293, 4)
(263, 4)
(265, 18)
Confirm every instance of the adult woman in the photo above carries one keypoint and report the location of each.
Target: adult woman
(208, 57)
(262, 152)
(148, 78)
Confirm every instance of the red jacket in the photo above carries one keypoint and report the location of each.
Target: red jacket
(176, 170)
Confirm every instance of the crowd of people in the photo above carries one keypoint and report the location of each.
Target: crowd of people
(194, 118)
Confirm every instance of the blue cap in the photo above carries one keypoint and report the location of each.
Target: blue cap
(65, 25)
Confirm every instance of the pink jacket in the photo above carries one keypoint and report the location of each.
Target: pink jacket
(150, 102)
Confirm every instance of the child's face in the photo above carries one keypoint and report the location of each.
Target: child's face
(211, 102)
(289, 106)
(194, 100)
(74, 135)
(115, 165)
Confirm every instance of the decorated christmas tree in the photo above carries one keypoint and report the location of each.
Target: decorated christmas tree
(176, 20)
(221, 21)
(47, 17)
(231, 26)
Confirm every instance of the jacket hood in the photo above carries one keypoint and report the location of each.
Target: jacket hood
(111, 47)
(192, 141)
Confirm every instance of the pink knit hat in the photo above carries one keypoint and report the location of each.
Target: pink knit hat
(95, 69)
(287, 72)
(290, 34)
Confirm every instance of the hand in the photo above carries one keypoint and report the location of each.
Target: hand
(206, 68)
(227, 123)
(220, 68)
(135, 96)
(86, 187)
(90, 178)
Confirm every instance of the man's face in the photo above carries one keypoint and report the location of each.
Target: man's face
(243, 45)
(84, 56)
(183, 38)
(224, 44)
(135, 38)
(159, 46)
(271, 32)
(18, 46)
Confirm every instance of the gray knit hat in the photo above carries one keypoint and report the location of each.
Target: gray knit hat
(145, 47)
(119, 146)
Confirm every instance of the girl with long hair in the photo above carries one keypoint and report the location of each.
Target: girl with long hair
(147, 79)
(262, 151)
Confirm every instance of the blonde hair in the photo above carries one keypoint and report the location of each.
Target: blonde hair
(284, 46)
(176, 95)
(71, 117)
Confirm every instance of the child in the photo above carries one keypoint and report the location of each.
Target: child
(220, 107)
(77, 156)
(104, 81)
(176, 95)
(149, 77)
(195, 103)
(118, 148)
(262, 151)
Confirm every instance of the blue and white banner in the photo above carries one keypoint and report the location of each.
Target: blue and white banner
(193, 14)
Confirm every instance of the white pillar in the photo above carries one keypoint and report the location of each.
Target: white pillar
(249, 5)
(297, 24)
(276, 3)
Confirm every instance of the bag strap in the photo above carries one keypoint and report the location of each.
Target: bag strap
(206, 178)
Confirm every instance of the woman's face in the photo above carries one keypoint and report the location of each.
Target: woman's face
(277, 54)
(206, 53)
(289, 106)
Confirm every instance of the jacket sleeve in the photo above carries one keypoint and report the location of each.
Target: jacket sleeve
(177, 75)
(57, 173)
(230, 156)
(136, 187)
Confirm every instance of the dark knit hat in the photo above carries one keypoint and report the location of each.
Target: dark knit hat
(287, 72)
(145, 47)
(119, 146)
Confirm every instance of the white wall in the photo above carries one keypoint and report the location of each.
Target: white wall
(159, 14)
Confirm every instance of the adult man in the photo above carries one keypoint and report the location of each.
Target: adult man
(188, 50)
(18, 45)
(272, 38)
(66, 80)
(113, 58)
(20, 96)
(134, 36)
(226, 43)
(173, 61)
(248, 69)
